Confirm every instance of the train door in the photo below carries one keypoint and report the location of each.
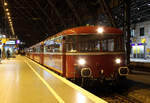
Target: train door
(64, 56)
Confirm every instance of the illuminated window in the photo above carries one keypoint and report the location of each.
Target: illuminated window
(54, 45)
(104, 45)
(132, 32)
(111, 45)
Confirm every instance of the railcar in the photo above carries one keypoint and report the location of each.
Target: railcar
(91, 52)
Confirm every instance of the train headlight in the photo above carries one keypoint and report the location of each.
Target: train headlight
(100, 30)
(118, 61)
(81, 61)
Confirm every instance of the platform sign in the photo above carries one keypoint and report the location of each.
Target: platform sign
(11, 42)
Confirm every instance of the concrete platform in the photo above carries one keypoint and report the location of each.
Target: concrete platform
(24, 81)
(140, 64)
(140, 60)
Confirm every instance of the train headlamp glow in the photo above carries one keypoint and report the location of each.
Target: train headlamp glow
(100, 30)
(118, 61)
(81, 61)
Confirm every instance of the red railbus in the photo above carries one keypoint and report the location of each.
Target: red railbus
(93, 52)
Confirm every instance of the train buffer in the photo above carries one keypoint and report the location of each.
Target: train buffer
(24, 81)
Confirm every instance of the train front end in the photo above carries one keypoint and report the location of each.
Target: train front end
(96, 56)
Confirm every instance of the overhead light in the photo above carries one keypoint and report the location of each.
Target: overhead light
(9, 20)
(7, 9)
(5, 4)
(8, 13)
(8, 17)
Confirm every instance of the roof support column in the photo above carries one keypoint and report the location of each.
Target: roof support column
(126, 28)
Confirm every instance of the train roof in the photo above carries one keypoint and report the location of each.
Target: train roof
(89, 30)
(85, 30)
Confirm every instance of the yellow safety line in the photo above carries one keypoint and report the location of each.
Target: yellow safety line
(83, 91)
(47, 85)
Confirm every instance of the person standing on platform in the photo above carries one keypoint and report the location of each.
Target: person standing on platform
(0, 55)
(8, 53)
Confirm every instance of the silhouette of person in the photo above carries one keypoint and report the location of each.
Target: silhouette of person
(8, 53)
(0, 55)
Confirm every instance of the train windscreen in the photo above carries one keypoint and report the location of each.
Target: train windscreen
(93, 43)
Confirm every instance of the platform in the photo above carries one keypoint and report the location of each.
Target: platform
(140, 60)
(140, 64)
(24, 81)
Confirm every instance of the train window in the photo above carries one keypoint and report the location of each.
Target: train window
(119, 44)
(91, 43)
(82, 43)
(41, 48)
(58, 44)
(104, 45)
(34, 49)
(110, 44)
(54, 45)
(38, 49)
(71, 43)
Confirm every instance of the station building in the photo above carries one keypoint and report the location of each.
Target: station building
(140, 40)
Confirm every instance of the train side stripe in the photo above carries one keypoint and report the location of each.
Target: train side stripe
(94, 53)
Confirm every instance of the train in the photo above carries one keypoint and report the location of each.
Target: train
(85, 52)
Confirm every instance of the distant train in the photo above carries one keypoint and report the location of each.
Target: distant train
(86, 52)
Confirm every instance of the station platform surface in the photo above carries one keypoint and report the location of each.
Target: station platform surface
(140, 64)
(140, 60)
(24, 81)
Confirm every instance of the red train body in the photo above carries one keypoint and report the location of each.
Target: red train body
(94, 52)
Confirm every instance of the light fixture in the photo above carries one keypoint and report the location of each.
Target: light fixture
(5, 4)
(100, 30)
(81, 61)
(118, 61)
(7, 9)
(8, 13)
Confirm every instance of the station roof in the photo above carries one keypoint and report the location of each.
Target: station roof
(35, 20)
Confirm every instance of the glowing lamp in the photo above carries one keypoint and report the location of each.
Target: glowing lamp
(5, 4)
(81, 61)
(118, 61)
(100, 30)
